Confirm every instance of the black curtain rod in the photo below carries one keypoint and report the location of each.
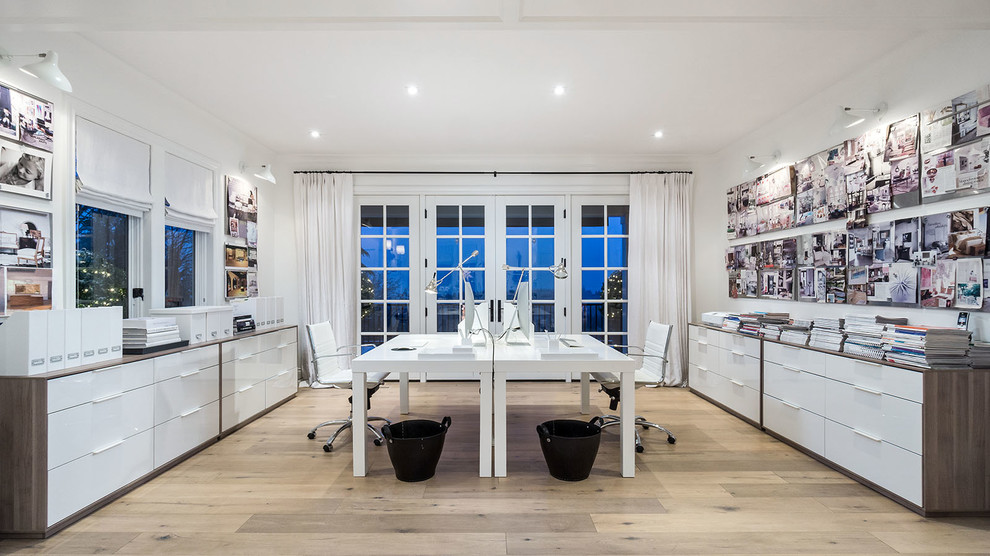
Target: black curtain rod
(493, 173)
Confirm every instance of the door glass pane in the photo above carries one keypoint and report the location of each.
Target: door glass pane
(450, 288)
(371, 284)
(397, 220)
(542, 286)
(398, 317)
(465, 235)
(593, 317)
(101, 258)
(543, 317)
(398, 284)
(448, 221)
(448, 253)
(474, 220)
(543, 252)
(448, 315)
(477, 280)
(592, 284)
(604, 273)
(372, 251)
(180, 268)
(373, 340)
(512, 280)
(517, 252)
(371, 220)
(517, 220)
(470, 245)
(618, 251)
(616, 316)
(618, 219)
(543, 220)
(397, 252)
(385, 274)
(592, 220)
(617, 285)
(593, 251)
(372, 317)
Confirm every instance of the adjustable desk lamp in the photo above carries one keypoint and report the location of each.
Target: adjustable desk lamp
(431, 289)
(523, 310)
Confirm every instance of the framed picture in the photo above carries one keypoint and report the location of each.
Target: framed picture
(237, 283)
(252, 255)
(242, 208)
(8, 114)
(25, 171)
(28, 289)
(34, 120)
(25, 238)
(235, 256)
(252, 284)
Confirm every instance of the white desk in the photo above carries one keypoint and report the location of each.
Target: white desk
(508, 359)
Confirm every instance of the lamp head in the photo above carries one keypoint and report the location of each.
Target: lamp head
(559, 270)
(46, 70)
(431, 288)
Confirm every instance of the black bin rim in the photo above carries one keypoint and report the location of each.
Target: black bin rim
(576, 428)
(390, 436)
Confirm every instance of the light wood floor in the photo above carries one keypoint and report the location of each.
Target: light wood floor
(724, 488)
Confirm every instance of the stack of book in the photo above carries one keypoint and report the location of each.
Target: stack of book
(771, 331)
(827, 334)
(797, 332)
(864, 336)
(143, 334)
(713, 318)
(749, 323)
(731, 322)
(943, 348)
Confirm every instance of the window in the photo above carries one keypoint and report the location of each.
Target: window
(385, 260)
(180, 267)
(604, 272)
(101, 258)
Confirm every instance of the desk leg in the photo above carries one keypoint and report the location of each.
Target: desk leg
(627, 425)
(585, 393)
(404, 393)
(358, 429)
(500, 444)
(485, 434)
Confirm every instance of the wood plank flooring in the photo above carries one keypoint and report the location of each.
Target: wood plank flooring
(724, 488)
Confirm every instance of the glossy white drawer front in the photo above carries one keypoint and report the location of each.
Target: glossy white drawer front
(902, 423)
(280, 387)
(183, 433)
(853, 371)
(79, 483)
(794, 423)
(796, 387)
(795, 357)
(889, 466)
(735, 395)
(78, 430)
(903, 383)
(85, 387)
(700, 379)
(703, 354)
(186, 392)
(740, 344)
(739, 367)
(242, 405)
(173, 365)
(242, 373)
(245, 347)
(854, 406)
(269, 341)
(287, 336)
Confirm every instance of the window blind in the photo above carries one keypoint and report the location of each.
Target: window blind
(189, 200)
(113, 171)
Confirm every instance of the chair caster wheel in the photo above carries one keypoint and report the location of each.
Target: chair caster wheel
(640, 449)
(671, 440)
(378, 442)
(311, 435)
(327, 448)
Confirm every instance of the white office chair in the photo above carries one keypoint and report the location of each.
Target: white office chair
(652, 373)
(329, 372)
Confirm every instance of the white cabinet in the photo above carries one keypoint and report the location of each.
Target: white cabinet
(256, 374)
(794, 423)
(725, 367)
(186, 431)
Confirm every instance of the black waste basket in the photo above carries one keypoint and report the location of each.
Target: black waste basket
(414, 447)
(570, 447)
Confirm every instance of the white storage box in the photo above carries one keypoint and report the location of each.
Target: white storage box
(201, 323)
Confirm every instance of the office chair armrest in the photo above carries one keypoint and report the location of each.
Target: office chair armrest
(637, 354)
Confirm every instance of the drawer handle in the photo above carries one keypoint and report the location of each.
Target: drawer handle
(700, 368)
(792, 369)
(245, 389)
(868, 391)
(188, 413)
(790, 405)
(285, 372)
(280, 346)
(739, 353)
(108, 398)
(870, 364)
(868, 436)
(248, 356)
(736, 382)
(105, 448)
(191, 373)
(702, 342)
(103, 369)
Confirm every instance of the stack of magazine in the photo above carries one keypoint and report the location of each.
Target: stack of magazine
(749, 323)
(143, 333)
(797, 332)
(827, 334)
(943, 348)
(864, 336)
(979, 355)
(731, 322)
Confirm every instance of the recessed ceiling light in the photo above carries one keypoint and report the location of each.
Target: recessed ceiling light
(412, 90)
(559, 90)
(658, 134)
(314, 134)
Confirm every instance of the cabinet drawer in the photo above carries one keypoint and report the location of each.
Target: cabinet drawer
(287, 336)
(738, 367)
(177, 436)
(99, 383)
(703, 334)
(237, 349)
(81, 429)
(79, 483)
(902, 423)
(796, 357)
(803, 389)
(171, 366)
(186, 392)
(903, 383)
(876, 376)
(735, 395)
(700, 379)
(889, 466)
(269, 341)
(740, 344)
(703, 354)
(242, 405)
(242, 373)
(794, 423)
(856, 407)
(279, 387)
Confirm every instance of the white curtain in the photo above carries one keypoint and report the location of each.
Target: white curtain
(113, 171)
(327, 255)
(659, 259)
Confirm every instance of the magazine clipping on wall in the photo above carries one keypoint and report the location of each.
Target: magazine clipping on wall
(731, 198)
(969, 283)
(242, 207)
(27, 289)
(235, 256)
(252, 284)
(25, 238)
(26, 118)
(25, 171)
(236, 283)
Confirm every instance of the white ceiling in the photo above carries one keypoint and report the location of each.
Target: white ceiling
(705, 71)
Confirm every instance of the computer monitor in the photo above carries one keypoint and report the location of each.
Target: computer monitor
(524, 311)
(469, 310)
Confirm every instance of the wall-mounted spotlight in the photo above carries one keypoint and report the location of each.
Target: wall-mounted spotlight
(763, 161)
(46, 69)
(263, 171)
(851, 117)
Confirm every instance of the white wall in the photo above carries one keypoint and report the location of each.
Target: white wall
(919, 74)
(119, 95)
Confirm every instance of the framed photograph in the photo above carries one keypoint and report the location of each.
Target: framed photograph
(235, 256)
(242, 206)
(8, 114)
(34, 121)
(25, 171)
(237, 283)
(25, 238)
(28, 289)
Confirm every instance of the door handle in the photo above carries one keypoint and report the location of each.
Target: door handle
(499, 310)
(491, 310)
